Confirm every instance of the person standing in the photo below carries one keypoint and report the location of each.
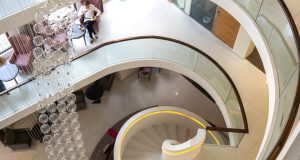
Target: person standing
(88, 14)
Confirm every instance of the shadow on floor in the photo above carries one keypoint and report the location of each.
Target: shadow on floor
(254, 58)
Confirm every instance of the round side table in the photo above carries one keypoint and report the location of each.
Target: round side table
(9, 72)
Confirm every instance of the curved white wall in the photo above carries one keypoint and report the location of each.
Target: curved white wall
(261, 44)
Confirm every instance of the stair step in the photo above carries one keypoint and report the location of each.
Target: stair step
(139, 146)
(147, 144)
(133, 153)
(171, 130)
(160, 129)
(143, 137)
(152, 157)
(154, 135)
(182, 134)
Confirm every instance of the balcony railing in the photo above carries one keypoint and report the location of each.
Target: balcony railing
(9, 7)
(166, 52)
(280, 31)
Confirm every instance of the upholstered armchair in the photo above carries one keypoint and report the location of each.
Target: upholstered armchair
(22, 55)
(16, 139)
(98, 4)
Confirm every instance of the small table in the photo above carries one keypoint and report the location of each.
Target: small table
(9, 72)
(94, 93)
(77, 33)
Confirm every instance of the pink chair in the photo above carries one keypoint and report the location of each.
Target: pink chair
(61, 38)
(22, 54)
(146, 72)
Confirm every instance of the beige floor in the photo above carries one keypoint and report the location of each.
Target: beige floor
(159, 17)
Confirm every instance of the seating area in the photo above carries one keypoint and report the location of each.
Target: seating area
(23, 41)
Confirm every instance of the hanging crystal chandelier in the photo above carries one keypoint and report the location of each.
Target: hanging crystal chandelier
(53, 72)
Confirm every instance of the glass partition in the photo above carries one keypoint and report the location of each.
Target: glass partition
(9, 7)
(272, 19)
(274, 24)
(187, 57)
(180, 3)
(252, 6)
(141, 49)
(214, 76)
(234, 109)
(224, 138)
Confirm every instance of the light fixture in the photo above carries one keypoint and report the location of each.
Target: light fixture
(53, 72)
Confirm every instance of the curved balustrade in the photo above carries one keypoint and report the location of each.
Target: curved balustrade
(189, 150)
(280, 31)
(280, 34)
(138, 52)
(9, 7)
(162, 115)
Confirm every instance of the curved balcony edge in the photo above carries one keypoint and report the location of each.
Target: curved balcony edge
(295, 108)
(220, 102)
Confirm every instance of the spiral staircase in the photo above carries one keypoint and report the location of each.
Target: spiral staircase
(147, 144)
(167, 133)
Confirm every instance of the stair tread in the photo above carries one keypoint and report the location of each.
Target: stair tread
(129, 153)
(151, 132)
(182, 134)
(171, 130)
(146, 144)
(145, 138)
(152, 157)
(137, 145)
(161, 131)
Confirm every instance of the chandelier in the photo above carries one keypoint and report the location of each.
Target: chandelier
(52, 69)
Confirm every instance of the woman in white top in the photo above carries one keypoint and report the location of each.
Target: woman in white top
(89, 13)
